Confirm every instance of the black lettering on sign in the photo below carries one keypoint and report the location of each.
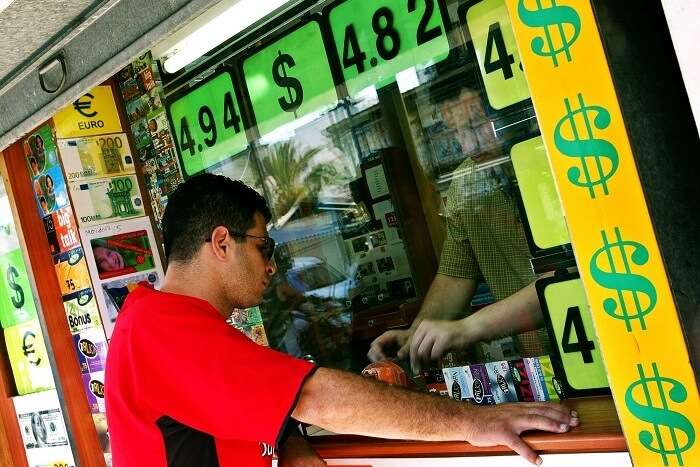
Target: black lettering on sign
(87, 348)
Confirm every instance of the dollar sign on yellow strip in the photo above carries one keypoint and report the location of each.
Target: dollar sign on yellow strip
(557, 17)
(584, 145)
(673, 433)
(624, 280)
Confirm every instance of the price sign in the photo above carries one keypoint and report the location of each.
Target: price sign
(207, 125)
(289, 79)
(569, 324)
(16, 299)
(496, 52)
(376, 39)
(539, 194)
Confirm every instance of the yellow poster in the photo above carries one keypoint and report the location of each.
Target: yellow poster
(619, 260)
(93, 113)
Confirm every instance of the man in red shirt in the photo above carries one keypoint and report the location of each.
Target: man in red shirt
(183, 388)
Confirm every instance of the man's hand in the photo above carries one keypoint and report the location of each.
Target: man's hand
(397, 340)
(502, 424)
(296, 452)
(434, 338)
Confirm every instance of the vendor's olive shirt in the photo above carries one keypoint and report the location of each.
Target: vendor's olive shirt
(485, 239)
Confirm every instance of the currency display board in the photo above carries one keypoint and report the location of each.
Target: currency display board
(539, 194)
(16, 299)
(569, 324)
(621, 266)
(94, 113)
(376, 39)
(207, 124)
(289, 79)
(496, 52)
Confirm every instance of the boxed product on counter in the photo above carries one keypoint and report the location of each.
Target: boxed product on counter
(524, 379)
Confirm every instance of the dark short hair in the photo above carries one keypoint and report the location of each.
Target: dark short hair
(201, 204)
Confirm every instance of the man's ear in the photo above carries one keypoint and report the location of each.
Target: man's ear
(220, 242)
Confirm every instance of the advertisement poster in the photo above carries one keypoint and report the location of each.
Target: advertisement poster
(28, 357)
(43, 429)
(94, 384)
(106, 200)
(47, 179)
(96, 157)
(81, 311)
(91, 348)
(120, 256)
(61, 230)
(72, 271)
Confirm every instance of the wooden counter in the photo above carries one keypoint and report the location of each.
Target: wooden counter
(599, 432)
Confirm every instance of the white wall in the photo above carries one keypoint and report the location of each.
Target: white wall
(683, 18)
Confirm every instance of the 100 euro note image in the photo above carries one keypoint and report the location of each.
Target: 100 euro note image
(96, 157)
(106, 200)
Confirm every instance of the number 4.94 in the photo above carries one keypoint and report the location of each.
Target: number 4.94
(207, 125)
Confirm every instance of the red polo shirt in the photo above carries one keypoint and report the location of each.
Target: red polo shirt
(183, 388)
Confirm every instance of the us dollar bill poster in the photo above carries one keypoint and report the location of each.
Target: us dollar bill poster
(120, 256)
(43, 429)
(94, 157)
(106, 200)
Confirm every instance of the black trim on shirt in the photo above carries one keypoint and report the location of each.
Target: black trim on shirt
(289, 423)
(185, 446)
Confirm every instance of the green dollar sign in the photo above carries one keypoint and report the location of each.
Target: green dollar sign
(553, 16)
(585, 146)
(662, 416)
(624, 280)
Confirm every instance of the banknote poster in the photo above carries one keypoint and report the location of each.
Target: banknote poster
(120, 256)
(106, 200)
(43, 430)
(95, 157)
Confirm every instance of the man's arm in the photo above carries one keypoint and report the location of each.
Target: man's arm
(349, 404)
(517, 313)
(447, 299)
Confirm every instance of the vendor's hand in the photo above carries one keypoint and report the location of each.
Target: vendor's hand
(434, 338)
(394, 339)
(296, 452)
(502, 424)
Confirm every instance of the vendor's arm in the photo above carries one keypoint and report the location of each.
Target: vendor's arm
(349, 404)
(515, 314)
(447, 298)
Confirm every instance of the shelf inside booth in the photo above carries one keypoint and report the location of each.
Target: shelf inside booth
(599, 431)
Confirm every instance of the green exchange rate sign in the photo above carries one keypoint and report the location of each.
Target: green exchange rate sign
(207, 124)
(289, 79)
(376, 39)
(16, 299)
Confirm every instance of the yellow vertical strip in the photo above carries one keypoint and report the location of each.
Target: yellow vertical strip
(616, 250)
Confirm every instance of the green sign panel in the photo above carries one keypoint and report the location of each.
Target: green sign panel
(539, 194)
(376, 39)
(16, 299)
(497, 53)
(289, 79)
(207, 124)
(571, 325)
(28, 357)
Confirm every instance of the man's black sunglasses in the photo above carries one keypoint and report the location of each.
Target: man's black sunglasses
(268, 248)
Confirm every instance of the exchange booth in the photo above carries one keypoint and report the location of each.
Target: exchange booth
(398, 143)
